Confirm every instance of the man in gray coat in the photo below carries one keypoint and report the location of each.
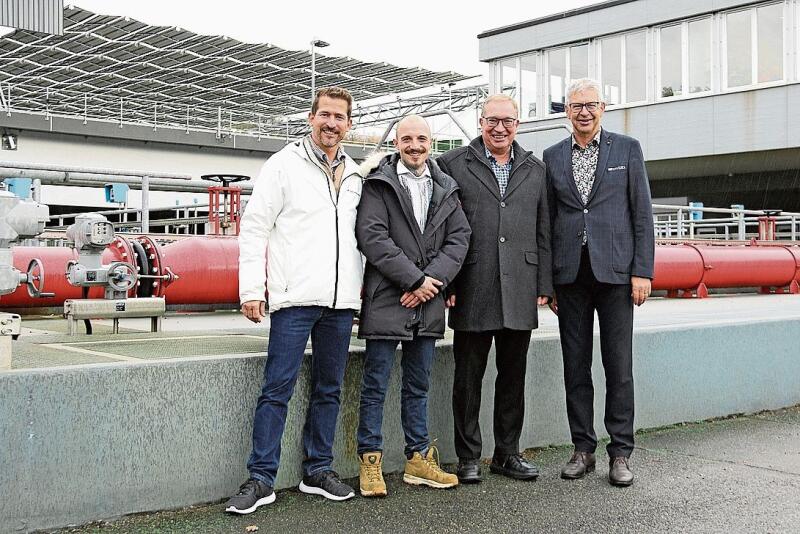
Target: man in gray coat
(603, 252)
(506, 274)
(414, 235)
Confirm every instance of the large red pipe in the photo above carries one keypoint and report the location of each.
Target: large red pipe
(207, 270)
(204, 270)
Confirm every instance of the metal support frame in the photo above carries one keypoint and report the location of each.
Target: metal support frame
(433, 113)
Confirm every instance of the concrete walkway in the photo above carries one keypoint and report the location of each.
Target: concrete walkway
(740, 474)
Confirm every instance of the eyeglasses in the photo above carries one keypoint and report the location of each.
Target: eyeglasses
(591, 107)
(508, 122)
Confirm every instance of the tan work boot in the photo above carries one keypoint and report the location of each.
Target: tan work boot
(370, 475)
(425, 470)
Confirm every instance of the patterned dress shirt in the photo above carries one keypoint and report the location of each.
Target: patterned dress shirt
(584, 167)
(501, 171)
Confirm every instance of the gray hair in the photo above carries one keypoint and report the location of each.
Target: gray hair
(582, 84)
(501, 97)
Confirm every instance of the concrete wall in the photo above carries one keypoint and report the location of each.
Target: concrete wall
(97, 441)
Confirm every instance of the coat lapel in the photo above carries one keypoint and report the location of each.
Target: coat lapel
(516, 178)
(481, 168)
(602, 161)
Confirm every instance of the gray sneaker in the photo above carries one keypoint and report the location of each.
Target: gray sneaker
(252, 494)
(327, 484)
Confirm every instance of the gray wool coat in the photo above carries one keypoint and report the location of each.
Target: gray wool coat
(509, 261)
(399, 255)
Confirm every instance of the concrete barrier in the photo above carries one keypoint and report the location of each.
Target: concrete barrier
(98, 441)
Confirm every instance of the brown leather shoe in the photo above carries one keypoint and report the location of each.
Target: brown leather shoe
(619, 472)
(581, 464)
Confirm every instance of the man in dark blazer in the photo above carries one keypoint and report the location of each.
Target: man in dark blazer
(506, 274)
(603, 253)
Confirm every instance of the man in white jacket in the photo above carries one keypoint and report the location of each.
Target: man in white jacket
(301, 216)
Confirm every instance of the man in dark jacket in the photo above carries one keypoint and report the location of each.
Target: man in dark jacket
(414, 235)
(507, 272)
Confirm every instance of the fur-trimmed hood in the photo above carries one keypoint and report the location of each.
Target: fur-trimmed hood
(372, 162)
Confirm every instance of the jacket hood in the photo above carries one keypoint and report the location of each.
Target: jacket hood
(372, 162)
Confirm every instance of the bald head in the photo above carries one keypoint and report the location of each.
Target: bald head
(413, 141)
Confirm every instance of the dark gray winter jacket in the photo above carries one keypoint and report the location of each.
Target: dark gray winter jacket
(399, 255)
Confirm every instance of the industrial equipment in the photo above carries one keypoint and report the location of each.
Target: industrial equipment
(19, 219)
(91, 235)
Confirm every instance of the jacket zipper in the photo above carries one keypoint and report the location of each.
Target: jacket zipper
(335, 203)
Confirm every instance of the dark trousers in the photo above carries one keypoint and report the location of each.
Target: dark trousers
(577, 303)
(471, 350)
(290, 329)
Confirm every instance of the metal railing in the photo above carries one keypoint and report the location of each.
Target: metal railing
(683, 222)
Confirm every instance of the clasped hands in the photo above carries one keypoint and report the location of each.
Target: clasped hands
(424, 293)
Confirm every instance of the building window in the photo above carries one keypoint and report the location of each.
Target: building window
(685, 61)
(699, 58)
(623, 68)
(770, 43)
(671, 61)
(611, 69)
(636, 67)
(564, 65)
(754, 46)
(508, 77)
(557, 69)
(528, 87)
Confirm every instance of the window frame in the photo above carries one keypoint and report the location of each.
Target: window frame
(567, 72)
(754, 83)
(685, 87)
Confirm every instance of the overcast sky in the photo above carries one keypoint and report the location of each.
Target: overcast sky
(437, 35)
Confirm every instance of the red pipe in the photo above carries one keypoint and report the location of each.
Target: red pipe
(206, 269)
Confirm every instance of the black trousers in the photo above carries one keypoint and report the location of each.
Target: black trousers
(471, 350)
(577, 303)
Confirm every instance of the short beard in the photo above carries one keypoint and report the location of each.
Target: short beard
(418, 171)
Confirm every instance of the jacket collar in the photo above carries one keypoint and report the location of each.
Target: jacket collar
(302, 150)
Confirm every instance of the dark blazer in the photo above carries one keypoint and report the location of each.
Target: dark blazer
(399, 255)
(509, 263)
(618, 215)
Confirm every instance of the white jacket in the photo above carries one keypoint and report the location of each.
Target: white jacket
(295, 219)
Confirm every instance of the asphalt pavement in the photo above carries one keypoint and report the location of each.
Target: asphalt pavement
(739, 474)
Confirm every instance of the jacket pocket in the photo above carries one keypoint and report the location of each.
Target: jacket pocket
(532, 258)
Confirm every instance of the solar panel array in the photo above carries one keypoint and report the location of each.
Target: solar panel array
(115, 68)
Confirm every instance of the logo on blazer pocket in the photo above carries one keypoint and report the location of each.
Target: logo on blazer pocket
(618, 168)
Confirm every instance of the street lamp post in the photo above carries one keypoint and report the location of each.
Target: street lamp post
(315, 43)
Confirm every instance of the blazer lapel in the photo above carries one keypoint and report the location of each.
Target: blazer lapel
(602, 160)
(566, 159)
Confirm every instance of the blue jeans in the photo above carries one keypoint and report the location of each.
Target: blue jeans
(416, 365)
(330, 340)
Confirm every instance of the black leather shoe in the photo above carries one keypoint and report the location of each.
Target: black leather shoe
(581, 464)
(619, 472)
(469, 471)
(514, 466)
